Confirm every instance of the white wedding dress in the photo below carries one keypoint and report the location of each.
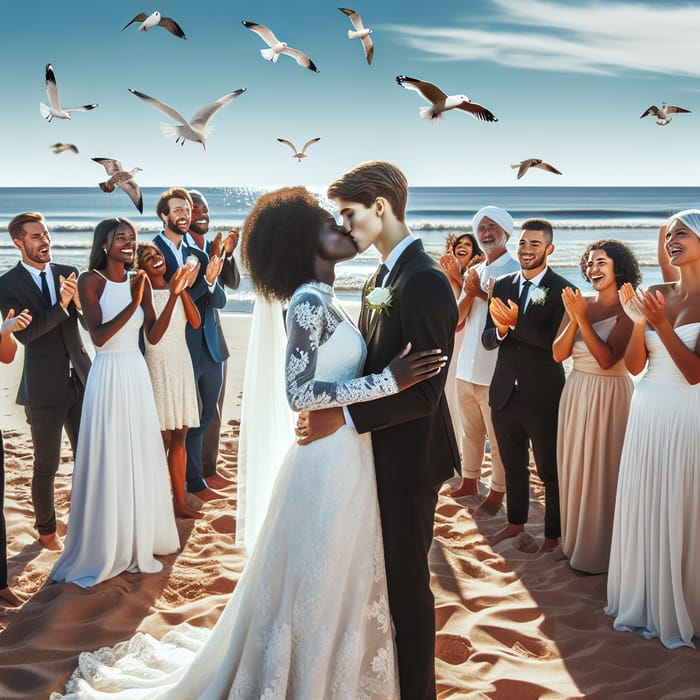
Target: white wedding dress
(309, 618)
(654, 572)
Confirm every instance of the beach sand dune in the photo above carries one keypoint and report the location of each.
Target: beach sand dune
(510, 624)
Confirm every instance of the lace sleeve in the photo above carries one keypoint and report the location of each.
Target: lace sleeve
(308, 325)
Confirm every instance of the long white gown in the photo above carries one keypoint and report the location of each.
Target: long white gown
(121, 512)
(309, 618)
(654, 573)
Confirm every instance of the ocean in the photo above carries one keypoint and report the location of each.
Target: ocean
(579, 215)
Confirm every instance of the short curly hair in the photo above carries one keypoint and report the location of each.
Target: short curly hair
(625, 263)
(280, 241)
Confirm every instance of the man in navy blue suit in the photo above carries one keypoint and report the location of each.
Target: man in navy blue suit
(205, 343)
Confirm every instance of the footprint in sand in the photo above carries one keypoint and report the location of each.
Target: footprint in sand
(452, 648)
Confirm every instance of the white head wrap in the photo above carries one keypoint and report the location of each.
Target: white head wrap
(500, 216)
(691, 218)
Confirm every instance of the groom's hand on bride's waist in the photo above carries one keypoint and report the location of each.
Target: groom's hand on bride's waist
(314, 425)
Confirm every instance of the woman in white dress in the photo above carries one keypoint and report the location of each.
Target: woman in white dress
(170, 366)
(654, 571)
(309, 617)
(121, 514)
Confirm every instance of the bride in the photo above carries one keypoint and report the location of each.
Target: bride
(309, 617)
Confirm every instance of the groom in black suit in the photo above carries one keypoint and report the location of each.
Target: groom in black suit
(56, 363)
(524, 315)
(412, 436)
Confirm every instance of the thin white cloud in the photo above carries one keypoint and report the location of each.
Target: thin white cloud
(600, 39)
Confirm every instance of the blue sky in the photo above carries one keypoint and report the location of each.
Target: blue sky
(567, 82)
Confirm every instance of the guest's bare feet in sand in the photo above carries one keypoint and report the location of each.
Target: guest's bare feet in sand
(183, 511)
(468, 487)
(510, 530)
(8, 597)
(207, 495)
(490, 505)
(216, 481)
(51, 542)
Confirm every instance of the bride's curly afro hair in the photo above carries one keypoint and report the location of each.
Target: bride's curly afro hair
(280, 241)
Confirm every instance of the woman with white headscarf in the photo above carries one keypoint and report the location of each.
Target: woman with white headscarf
(655, 557)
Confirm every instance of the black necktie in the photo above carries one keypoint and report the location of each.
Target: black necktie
(523, 294)
(45, 288)
(381, 274)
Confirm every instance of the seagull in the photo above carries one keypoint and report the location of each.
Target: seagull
(441, 102)
(61, 147)
(661, 115)
(299, 154)
(156, 20)
(55, 109)
(277, 47)
(197, 129)
(360, 32)
(118, 177)
(525, 165)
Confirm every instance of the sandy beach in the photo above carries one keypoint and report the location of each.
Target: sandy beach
(511, 625)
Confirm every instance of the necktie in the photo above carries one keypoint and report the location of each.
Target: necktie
(45, 288)
(523, 294)
(381, 274)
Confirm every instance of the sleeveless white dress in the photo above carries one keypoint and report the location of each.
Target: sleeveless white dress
(309, 618)
(654, 572)
(121, 512)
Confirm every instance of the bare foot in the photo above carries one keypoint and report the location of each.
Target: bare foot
(468, 487)
(490, 505)
(207, 495)
(549, 544)
(216, 481)
(184, 511)
(7, 596)
(51, 542)
(510, 530)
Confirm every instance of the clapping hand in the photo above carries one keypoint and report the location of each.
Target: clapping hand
(503, 316)
(180, 280)
(138, 283)
(409, 369)
(13, 323)
(574, 304)
(653, 306)
(68, 290)
(450, 266)
(631, 300)
(475, 260)
(231, 241)
(213, 269)
(472, 284)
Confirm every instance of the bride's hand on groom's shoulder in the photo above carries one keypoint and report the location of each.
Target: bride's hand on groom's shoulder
(409, 368)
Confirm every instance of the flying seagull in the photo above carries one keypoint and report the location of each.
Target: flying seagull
(277, 47)
(61, 147)
(525, 165)
(118, 177)
(156, 20)
(441, 103)
(197, 129)
(55, 109)
(299, 154)
(360, 32)
(661, 115)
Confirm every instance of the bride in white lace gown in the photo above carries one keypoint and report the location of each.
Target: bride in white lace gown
(309, 617)
(654, 571)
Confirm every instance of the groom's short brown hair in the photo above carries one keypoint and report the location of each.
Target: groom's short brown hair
(367, 181)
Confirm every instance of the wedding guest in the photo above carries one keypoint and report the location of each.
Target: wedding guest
(475, 364)
(120, 514)
(669, 272)
(56, 363)
(8, 348)
(230, 277)
(594, 403)
(655, 554)
(524, 315)
(170, 366)
(174, 208)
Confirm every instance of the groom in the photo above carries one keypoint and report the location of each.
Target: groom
(412, 437)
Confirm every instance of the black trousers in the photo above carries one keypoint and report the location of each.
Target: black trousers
(516, 426)
(407, 530)
(46, 424)
(210, 442)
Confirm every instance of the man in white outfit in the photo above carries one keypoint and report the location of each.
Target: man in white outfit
(492, 227)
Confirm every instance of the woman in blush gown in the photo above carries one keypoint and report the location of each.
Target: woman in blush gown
(654, 571)
(594, 403)
(121, 513)
(309, 617)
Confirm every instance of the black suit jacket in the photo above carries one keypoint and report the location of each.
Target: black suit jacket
(525, 354)
(51, 341)
(412, 436)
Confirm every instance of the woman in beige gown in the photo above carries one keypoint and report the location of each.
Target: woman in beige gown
(594, 404)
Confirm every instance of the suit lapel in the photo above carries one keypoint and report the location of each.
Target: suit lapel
(28, 285)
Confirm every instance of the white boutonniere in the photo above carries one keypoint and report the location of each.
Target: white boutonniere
(538, 296)
(380, 299)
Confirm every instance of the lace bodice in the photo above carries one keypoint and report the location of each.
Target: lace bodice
(661, 366)
(326, 353)
(115, 296)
